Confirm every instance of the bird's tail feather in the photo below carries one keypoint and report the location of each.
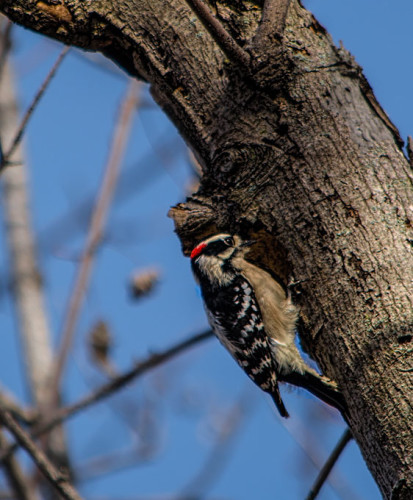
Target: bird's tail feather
(322, 387)
(276, 396)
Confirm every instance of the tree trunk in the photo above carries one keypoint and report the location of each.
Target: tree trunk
(296, 152)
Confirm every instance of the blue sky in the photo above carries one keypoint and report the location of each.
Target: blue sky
(190, 398)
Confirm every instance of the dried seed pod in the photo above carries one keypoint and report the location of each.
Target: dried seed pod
(100, 342)
(143, 282)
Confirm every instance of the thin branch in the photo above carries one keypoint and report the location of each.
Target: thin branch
(122, 380)
(224, 40)
(18, 483)
(58, 480)
(26, 416)
(117, 383)
(274, 16)
(327, 467)
(96, 227)
(298, 430)
(20, 131)
(410, 150)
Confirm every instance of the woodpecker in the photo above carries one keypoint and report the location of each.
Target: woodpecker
(255, 319)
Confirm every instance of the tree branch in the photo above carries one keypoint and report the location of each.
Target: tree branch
(274, 16)
(22, 127)
(410, 150)
(18, 483)
(328, 466)
(117, 383)
(224, 40)
(97, 223)
(122, 380)
(326, 184)
(21, 414)
(56, 479)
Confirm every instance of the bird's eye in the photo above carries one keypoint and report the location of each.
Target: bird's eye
(229, 241)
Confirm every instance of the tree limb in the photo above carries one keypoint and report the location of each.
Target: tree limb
(26, 416)
(308, 164)
(114, 385)
(20, 131)
(410, 150)
(96, 228)
(328, 466)
(224, 40)
(57, 480)
(18, 483)
(274, 16)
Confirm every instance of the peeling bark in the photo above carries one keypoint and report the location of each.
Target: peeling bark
(296, 152)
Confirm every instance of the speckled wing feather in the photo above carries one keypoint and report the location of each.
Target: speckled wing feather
(237, 322)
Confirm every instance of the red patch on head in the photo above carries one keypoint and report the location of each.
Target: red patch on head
(197, 250)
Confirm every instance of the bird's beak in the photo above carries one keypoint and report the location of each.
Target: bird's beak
(248, 243)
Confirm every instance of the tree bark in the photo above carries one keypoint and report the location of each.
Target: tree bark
(297, 153)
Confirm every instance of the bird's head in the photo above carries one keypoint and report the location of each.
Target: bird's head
(212, 258)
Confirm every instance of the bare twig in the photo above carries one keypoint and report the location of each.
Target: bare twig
(225, 41)
(327, 467)
(20, 131)
(117, 383)
(122, 380)
(8, 402)
(298, 430)
(58, 480)
(96, 227)
(18, 483)
(274, 15)
(410, 150)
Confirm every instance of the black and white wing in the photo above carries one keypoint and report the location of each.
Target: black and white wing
(234, 315)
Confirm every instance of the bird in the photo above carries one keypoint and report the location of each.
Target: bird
(254, 318)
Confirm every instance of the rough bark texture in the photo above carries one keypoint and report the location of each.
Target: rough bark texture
(297, 152)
